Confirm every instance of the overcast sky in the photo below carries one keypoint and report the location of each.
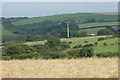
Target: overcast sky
(34, 9)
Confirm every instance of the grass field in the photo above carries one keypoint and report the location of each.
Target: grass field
(5, 33)
(75, 41)
(80, 40)
(35, 43)
(74, 68)
(97, 24)
(61, 17)
(111, 43)
(95, 30)
(104, 49)
(92, 30)
(91, 40)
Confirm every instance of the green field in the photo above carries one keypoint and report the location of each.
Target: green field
(5, 33)
(75, 41)
(35, 43)
(105, 49)
(97, 24)
(92, 30)
(111, 43)
(81, 40)
(78, 17)
(95, 30)
(91, 40)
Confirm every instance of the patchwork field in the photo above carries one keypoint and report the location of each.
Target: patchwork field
(77, 17)
(98, 24)
(74, 68)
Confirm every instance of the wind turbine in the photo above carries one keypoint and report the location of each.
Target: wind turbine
(68, 30)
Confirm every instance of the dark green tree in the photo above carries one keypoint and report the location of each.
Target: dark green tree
(105, 32)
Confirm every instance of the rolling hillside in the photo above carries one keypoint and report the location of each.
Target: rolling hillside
(92, 28)
(55, 24)
(6, 33)
(78, 17)
(87, 25)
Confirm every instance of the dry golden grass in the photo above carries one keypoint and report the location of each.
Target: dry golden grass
(74, 68)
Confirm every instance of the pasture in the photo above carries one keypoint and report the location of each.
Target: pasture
(100, 48)
(97, 24)
(5, 33)
(73, 68)
(78, 17)
(80, 40)
(35, 43)
(104, 49)
(101, 25)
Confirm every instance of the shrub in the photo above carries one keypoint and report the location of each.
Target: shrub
(105, 32)
(108, 54)
(70, 42)
(6, 58)
(96, 43)
(53, 41)
(78, 46)
(100, 39)
(85, 41)
(74, 52)
(41, 48)
(88, 45)
(84, 52)
(88, 52)
(82, 34)
(65, 45)
(26, 56)
(18, 49)
(104, 44)
(52, 55)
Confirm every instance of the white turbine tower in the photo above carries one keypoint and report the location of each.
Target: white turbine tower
(68, 30)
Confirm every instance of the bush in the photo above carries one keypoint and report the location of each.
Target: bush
(26, 56)
(65, 45)
(41, 48)
(78, 46)
(88, 45)
(88, 52)
(83, 34)
(17, 49)
(53, 41)
(85, 41)
(100, 39)
(108, 54)
(6, 58)
(70, 42)
(74, 53)
(104, 44)
(105, 32)
(52, 55)
(84, 52)
(96, 43)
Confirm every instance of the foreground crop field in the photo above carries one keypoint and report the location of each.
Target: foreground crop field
(74, 68)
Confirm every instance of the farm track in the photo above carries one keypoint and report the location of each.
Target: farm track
(74, 68)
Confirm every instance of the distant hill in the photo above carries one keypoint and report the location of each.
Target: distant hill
(55, 24)
(6, 34)
(78, 17)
